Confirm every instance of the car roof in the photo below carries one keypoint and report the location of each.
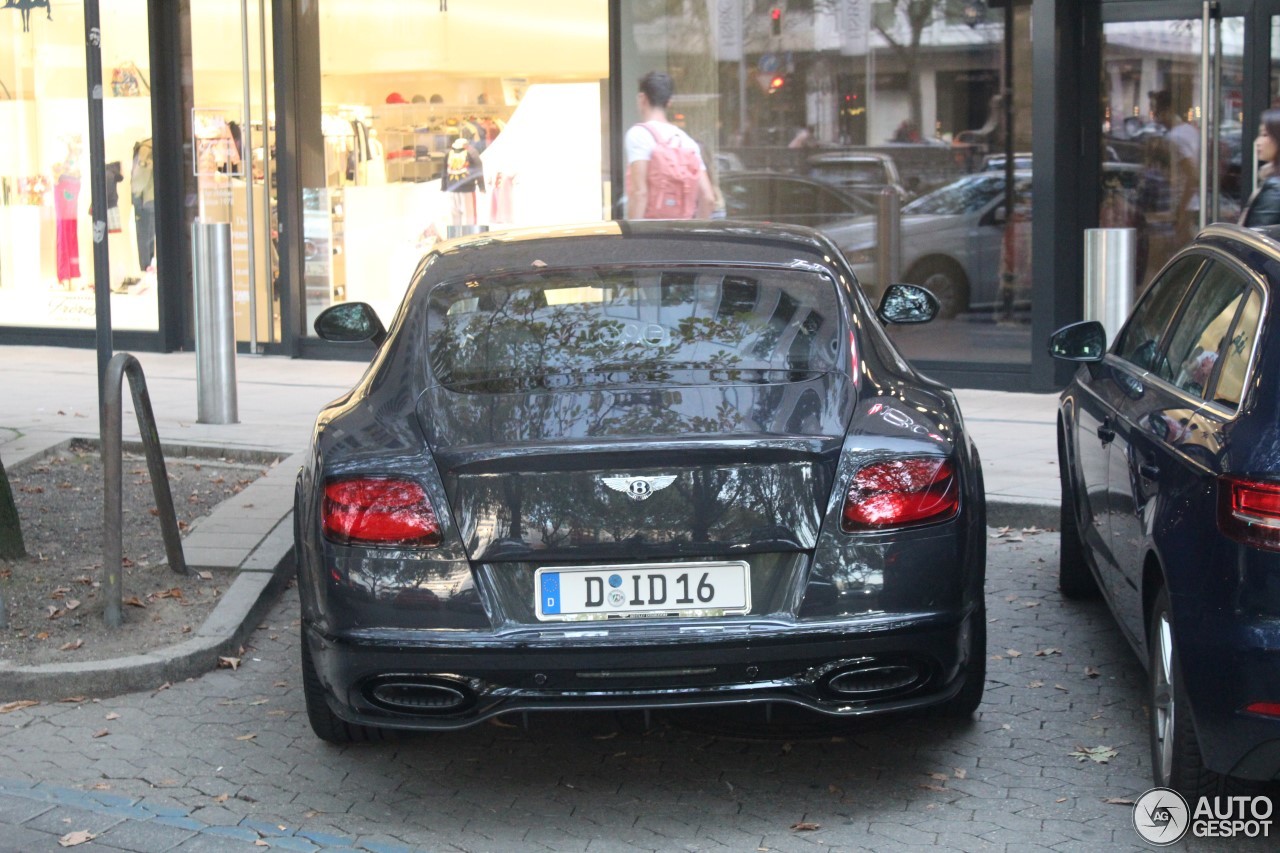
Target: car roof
(631, 242)
(848, 157)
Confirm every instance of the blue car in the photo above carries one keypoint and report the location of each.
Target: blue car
(1169, 451)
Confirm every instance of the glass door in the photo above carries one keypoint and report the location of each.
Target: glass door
(1175, 152)
(232, 166)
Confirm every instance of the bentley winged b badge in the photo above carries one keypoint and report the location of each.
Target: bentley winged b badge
(638, 488)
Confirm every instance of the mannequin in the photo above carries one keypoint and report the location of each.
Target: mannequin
(143, 194)
(66, 201)
(463, 177)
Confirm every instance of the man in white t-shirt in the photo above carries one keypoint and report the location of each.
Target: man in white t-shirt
(655, 93)
(1183, 139)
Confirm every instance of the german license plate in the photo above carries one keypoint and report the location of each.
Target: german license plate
(580, 593)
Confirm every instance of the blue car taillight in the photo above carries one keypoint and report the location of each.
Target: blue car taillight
(1249, 511)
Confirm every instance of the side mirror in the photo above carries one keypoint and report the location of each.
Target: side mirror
(1084, 341)
(1000, 216)
(905, 304)
(350, 322)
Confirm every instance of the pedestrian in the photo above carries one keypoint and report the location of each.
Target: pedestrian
(1264, 205)
(666, 178)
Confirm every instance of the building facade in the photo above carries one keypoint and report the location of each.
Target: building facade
(340, 139)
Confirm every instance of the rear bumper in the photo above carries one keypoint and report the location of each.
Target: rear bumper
(1239, 667)
(402, 680)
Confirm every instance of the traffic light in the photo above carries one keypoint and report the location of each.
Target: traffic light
(775, 20)
(776, 82)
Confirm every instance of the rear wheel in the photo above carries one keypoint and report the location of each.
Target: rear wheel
(946, 281)
(1176, 760)
(327, 725)
(964, 703)
(1075, 580)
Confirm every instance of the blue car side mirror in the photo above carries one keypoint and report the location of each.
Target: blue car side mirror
(1084, 341)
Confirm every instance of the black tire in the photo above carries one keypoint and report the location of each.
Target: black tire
(1075, 580)
(327, 725)
(946, 281)
(966, 702)
(1176, 761)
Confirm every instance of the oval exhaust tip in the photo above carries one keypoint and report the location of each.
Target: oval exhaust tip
(873, 680)
(413, 697)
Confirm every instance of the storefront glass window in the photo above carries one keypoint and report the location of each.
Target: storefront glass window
(231, 166)
(808, 112)
(1153, 125)
(448, 119)
(47, 274)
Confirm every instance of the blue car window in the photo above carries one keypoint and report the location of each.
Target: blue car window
(1229, 388)
(1201, 331)
(633, 326)
(1139, 341)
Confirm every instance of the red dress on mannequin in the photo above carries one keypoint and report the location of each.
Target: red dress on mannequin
(66, 197)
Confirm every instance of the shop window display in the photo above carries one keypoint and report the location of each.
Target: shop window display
(462, 119)
(47, 274)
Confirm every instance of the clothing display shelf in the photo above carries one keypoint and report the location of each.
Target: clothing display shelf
(416, 137)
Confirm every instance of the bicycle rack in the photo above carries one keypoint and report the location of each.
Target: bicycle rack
(123, 364)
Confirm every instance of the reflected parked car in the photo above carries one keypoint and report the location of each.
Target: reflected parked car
(1169, 453)
(789, 200)
(952, 241)
(861, 173)
(637, 465)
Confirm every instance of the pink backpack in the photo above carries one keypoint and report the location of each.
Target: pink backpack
(673, 178)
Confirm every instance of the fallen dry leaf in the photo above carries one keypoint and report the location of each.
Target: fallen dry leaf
(134, 601)
(208, 576)
(1046, 652)
(222, 798)
(1100, 754)
(806, 827)
(1090, 672)
(1013, 653)
(80, 836)
(937, 788)
(101, 733)
(71, 646)
(1036, 683)
(1060, 800)
(941, 777)
(1117, 801)
(1060, 687)
(228, 663)
(102, 786)
(19, 704)
(961, 773)
(74, 700)
(246, 737)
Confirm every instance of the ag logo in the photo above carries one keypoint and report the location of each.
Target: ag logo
(1161, 817)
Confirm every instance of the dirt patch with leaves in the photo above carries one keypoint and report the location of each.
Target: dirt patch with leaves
(54, 596)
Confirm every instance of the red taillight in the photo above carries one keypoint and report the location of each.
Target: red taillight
(901, 492)
(379, 511)
(1267, 709)
(1249, 511)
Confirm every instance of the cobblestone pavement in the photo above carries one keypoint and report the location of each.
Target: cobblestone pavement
(227, 762)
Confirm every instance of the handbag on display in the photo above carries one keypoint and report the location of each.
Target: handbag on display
(128, 81)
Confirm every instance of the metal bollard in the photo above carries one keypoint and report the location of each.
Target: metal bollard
(888, 238)
(1110, 256)
(214, 323)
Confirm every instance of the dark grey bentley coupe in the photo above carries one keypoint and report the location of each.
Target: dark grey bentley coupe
(637, 465)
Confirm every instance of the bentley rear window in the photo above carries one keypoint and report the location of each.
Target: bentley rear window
(613, 326)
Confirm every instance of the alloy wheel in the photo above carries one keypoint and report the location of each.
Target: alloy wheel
(1163, 708)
